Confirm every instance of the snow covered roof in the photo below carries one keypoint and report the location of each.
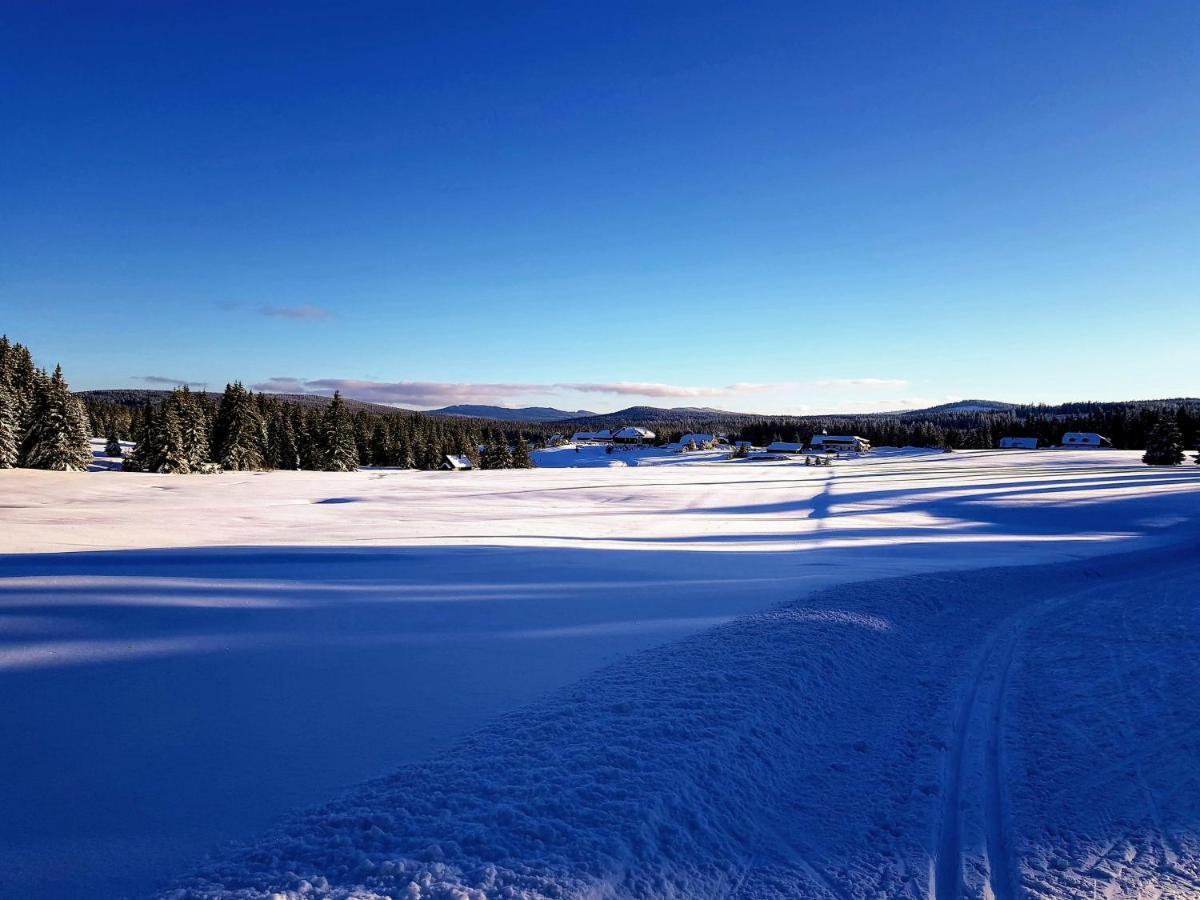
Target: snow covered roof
(1018, 443)
(697, 439)
(838, 439)
(632, 432)
(1086, 438)
(604, 435)
(784, 447)
(458, 463)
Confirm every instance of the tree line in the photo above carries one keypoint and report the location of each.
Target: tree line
(43, 425)
(1128, 425)
(244, 431)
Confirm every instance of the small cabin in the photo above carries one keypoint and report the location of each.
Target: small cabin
(456, 463)
(784, 447)
(1018, 443)
(838, 442)
(1084, 439)
(633, 435)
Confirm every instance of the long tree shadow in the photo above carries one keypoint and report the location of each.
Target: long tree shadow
(161, 701)
(777, 755)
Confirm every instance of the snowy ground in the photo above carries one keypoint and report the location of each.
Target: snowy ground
(186, 659)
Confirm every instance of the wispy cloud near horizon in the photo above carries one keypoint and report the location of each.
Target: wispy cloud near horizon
(434, 394)
(168, 381)
(303, 312)
(654, 389)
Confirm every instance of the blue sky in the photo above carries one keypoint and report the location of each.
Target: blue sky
(774, 207)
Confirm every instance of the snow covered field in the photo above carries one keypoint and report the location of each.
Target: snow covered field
(186, 660)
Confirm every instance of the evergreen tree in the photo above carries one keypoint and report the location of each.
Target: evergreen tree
(58, 434)
(363, 434)
(340, 443)
(8, 428)
(496, 453)
(308, 440)
(170, 453)
(404, 455)
(382, 449)
(193, 427)
(521, 458)
(283, 450)
(112, 446)
(162, 445)
(17, 371)
(143, 438)
(1164, 446)
(238, 431)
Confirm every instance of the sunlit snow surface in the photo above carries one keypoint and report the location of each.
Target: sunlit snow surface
(185, 660)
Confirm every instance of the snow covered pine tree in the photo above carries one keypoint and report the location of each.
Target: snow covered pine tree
(1164, 446)
(58, 433)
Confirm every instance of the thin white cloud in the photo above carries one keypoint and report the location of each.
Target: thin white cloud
(281, 384)
(295, 312)
(168, 381)
(403, 393)
(654, 389)
(430, 394)
(859, 382)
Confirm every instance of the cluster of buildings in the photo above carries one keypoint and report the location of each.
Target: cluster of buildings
(627, 435)
(1070, 440)
(630, 435)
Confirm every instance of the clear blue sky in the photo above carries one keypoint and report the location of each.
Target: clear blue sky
(775, 207)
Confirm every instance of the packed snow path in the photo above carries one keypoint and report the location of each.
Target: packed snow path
(861, 744)
(185, 659)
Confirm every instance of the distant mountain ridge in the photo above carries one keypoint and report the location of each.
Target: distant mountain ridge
(696, 417)
(510, 414)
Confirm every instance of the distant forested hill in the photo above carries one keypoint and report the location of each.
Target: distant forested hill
(135, 398)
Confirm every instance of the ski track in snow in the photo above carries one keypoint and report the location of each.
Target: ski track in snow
(983, 732)
(775, 756)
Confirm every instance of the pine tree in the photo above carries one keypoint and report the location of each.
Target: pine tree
(22, 378)
(1164, 446)
(8, 428)
(193, 427)
(58, 434)
(521, 458)
(431, 457)
(238, 431)
(340, 444)
(306, 438)
(363, 434)
(382, 446)
(404, 455)
(170, 453)
(112, 446)
(490, 456)
(138, 460)
(284, 452)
